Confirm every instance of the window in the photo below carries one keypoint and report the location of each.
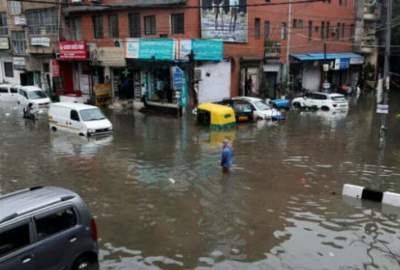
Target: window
(310, 29)
(134, 25)
(14, 239)
(267, 30)
(13, 90)
(23, 93)
(257, 28)
(352, 31)
(284, 31)
(322, 30)
(343, 27)
(3, 24)
(8, 69)
(328, 29)
(42, 21)
(75, 25)
(14, 7)
(113, 28)
(55, 223)
(97, 26)
(18, 42)
(337, 32)
(74, 115)
(3, 90)
(150, 25)
(178, 23)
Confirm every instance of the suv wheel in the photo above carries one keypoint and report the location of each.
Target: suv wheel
(297, 105)
(325, 108)
(84, 263)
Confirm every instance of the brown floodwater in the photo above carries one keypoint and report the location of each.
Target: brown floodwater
(162, 202)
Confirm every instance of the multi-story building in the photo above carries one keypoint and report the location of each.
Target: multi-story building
(32, 31)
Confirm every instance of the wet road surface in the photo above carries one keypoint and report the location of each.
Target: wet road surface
(161, 201)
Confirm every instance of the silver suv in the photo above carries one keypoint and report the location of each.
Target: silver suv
(46, 228)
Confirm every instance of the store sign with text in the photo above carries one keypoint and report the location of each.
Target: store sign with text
(4, 44)
(20, 20)
(40, 41)
(19, 62)
(73, 50)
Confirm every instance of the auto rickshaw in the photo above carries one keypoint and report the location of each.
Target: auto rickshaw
(216, 116)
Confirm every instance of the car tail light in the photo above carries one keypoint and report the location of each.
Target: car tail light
(93, 229)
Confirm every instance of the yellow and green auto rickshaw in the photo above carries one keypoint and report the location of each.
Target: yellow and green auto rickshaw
(216, 116)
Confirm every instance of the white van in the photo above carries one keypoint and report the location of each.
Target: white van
(8, 93)
(78, 118)
(34, 95)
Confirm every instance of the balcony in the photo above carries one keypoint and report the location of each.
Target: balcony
(272, 49)
(369, 44)
(371, 13)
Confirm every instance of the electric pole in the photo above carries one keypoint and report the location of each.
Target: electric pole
(386, 69)
(289, 32)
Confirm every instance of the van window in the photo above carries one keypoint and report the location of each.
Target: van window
(14, 239)
(74, 115)
(23, 93)
(55, 223)
(3, 90)
(13, 90)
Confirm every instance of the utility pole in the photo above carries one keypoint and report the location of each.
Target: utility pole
(386, 69)
(289, 32)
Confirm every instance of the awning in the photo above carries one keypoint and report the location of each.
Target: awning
(355, 59)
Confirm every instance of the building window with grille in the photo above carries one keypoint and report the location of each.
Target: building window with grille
(150, 25)
(42, 21)
(343, 33)
(257, 28)
(134, 25)
(75, 26)
(322, 30)
(267, 30)
(97, 26)
(113, 26)
(14, 7)
(310, 30)
(178, 23)
(18, 42)
(284, 31)
(328, 29)
(3, 24)
(8, 69)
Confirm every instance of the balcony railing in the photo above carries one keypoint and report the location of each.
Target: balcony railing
(272, 49)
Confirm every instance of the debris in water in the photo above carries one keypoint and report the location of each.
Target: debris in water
(172, 180)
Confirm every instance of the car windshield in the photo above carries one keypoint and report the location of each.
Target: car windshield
(37, 94)
(92, 115)
(242, 107)
(262, 106)
(339, 99)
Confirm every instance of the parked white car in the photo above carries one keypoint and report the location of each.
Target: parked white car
(323, 101)
(262, 110)
(8, 93)
(78, 118)
(34, 95)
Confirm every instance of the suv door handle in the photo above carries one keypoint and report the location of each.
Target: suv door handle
(73, 239)
(26, 260)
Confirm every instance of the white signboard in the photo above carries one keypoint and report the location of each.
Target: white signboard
(19, 61)
(132, 48)
(382, 109)
(40, 41)
(20, 20)
(4, 45)
(185, 48)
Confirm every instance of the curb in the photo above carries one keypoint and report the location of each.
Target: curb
(363, 193)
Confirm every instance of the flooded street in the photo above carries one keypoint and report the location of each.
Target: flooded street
(162, 202)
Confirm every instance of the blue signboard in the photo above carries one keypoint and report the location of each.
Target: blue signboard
(208, 50)
(178, 78)
(157, 49)
(344, 63)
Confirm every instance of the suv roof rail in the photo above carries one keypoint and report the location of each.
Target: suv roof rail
(16, 214)
(20, 192)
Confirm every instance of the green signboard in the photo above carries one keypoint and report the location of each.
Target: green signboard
(208, 49)
(157, 49)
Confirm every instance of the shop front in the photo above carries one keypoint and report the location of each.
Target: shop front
(342, 70)
(73, 71)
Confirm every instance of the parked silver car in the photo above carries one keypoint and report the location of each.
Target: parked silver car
(46, 228)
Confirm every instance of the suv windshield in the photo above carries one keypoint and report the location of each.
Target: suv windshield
(92, 115)
(262, 106)
(36, 94)
(339, 99)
